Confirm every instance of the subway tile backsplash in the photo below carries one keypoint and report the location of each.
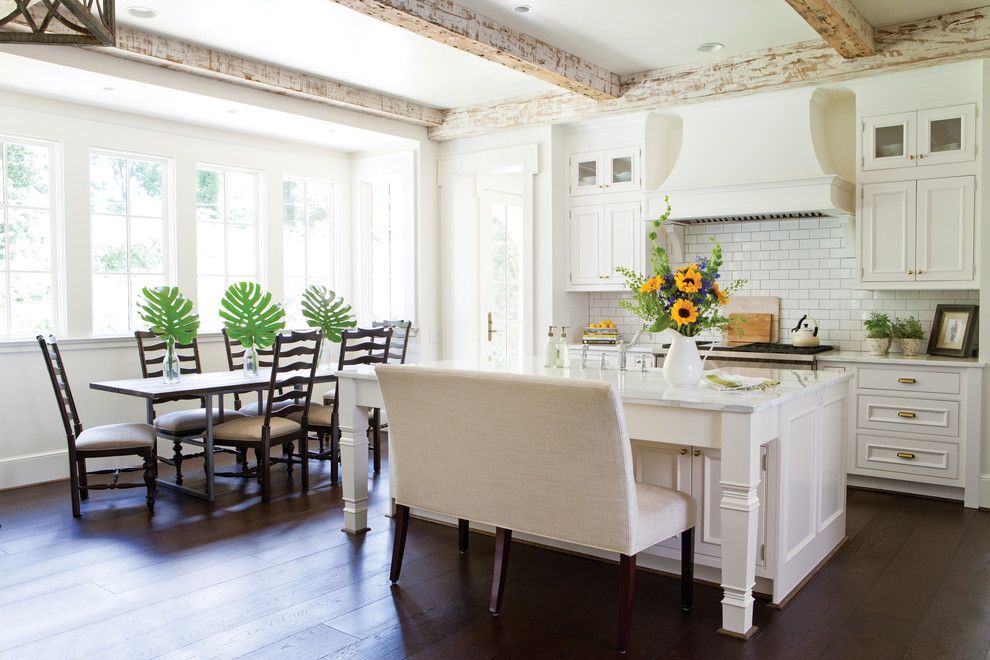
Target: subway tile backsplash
(809, 265)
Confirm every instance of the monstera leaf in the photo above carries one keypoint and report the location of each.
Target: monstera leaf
(169, 314)
(325, 310)
(250, 316)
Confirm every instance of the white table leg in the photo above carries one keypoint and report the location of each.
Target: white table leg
(740, 512)
(353, 458)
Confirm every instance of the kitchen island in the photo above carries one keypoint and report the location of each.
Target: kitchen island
(761, 464)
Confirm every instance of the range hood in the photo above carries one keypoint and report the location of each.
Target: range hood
(764, 157)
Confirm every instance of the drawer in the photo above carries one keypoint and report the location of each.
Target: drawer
(914, 457)
(929, 416)
(910, 380)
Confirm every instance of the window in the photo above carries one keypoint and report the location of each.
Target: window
(27, 239)
(129, 232)
(227, 236)
(387, 256)
(309, 240)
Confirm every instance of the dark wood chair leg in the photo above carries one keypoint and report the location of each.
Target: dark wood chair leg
(149, 480)
(463, 529)
(74, 488)
(399, 542)
(257, 462)
(83, 479)
(177, 459)
(304, 460)
(265, 467)
(503, 539)
(627, 583)
(687, 569)
(287, 450)
(376, 432)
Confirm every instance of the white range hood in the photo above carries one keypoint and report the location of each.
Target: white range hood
(762, 157)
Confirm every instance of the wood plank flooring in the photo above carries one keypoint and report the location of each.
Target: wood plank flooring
(242, 579)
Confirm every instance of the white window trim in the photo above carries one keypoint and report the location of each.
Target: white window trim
(56, 195)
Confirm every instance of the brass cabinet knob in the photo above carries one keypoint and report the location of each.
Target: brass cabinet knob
(683, 451)
(697, 452)
(907, 381)
(905, 454)
(910, 156)
(920, 272)
(906, 414)
(920, 156)
(910, 272)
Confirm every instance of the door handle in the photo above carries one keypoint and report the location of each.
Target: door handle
(491, 327)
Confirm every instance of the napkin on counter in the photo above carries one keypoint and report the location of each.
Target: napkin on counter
(726, 382)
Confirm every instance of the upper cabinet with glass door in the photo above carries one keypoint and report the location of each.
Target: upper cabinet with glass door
(925, 137)
(605, 171)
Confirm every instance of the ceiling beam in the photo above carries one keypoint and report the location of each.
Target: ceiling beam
(215, 65)
(454, 25)
(941, 39)
(840, 24)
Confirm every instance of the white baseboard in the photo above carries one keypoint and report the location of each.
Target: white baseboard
(985, 491)
(31, 469)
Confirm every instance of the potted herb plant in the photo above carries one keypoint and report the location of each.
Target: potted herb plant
(251, 318)
(169, 315)
(878, 333)
(911, 335)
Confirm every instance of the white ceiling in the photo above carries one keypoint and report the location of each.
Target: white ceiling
(887, 12)
(33, 76)
(325, 39)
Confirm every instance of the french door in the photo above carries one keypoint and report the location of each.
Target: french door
(502, 278)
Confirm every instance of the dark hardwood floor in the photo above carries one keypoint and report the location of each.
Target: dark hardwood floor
(246, 580)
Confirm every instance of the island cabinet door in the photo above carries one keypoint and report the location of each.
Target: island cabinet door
(668, 466)
(707, 491)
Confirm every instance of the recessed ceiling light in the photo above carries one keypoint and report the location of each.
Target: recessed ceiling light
(522, 9)
(142, 12)
(710, 47)
(231, 111)
(109, 89)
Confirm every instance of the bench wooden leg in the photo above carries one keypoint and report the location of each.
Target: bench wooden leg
(503, 539)
(399, 542)
(627, 584)
(687, 569)
(463, 529)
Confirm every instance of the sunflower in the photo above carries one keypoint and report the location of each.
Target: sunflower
(684, 312)
(720, 295)
(688, 281)
(652, 284)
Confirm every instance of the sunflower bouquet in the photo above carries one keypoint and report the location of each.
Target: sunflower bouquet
(686, 299)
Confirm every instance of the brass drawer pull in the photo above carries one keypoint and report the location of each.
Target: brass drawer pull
(905, 454)
(906, 413)
(907, 381)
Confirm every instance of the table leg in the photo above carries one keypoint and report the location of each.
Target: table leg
(353, 458)
(739, 506)
(208, 450)
(149, 407)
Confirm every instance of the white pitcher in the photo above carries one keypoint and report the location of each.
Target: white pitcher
(682, 364)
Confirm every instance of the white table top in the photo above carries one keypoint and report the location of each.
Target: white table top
(651, 389)
(214, 382)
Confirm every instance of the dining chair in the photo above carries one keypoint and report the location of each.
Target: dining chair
(293, 369)
(235, 362)
(180, 426)
(111, 440)
(359, 346)
(398, 348)
(529, 454)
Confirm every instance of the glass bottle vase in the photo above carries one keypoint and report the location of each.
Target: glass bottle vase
(250, 362)
(170, 364)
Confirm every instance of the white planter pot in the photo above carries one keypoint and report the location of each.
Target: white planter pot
(912, 347)
(878, 346)
(682, 364)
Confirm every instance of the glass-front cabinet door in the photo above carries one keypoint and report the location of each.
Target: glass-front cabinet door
(945, 135)
(889, 141)
(621, 169)
(587, 175)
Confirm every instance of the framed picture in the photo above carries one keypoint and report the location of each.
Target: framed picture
(954, 330)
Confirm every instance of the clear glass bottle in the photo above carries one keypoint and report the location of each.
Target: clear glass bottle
(550, 350)
(250, 361)
(563, 355)
(170, 365)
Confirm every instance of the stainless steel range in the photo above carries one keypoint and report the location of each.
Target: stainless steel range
(760, 354)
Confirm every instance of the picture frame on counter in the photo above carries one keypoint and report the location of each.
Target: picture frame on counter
(954, 330)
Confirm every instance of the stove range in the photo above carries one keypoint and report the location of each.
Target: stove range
(770, 347)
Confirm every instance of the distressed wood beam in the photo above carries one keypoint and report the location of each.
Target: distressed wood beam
(198, 60)
(942, 39)
(840, 24)
(454, 25)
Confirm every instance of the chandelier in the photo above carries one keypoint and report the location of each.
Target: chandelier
(88, 22)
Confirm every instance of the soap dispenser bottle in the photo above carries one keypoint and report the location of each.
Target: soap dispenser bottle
(563, 355)
(550, 351)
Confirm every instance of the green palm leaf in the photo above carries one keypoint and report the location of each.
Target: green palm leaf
(325, 310)
(250, 316)
(168, 313)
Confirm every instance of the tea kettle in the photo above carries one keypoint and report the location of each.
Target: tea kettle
(804, 336)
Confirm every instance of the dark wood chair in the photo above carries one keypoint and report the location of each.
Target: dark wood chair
(397, 351)
(235, 362)
(359, 346)
(180, 426)
(99, 441)
(293, 369)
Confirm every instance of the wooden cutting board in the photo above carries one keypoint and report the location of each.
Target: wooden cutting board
(750, 327)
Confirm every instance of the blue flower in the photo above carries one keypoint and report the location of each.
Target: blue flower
(702, 263)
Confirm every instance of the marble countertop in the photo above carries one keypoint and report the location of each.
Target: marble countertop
(898, 359)
(650, 388)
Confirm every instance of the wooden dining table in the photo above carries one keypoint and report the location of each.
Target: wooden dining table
(211, 387)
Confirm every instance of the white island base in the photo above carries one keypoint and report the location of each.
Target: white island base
(774, 518)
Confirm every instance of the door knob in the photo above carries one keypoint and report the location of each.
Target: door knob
(491, 327)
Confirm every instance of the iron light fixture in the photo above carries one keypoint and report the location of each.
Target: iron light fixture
(89, 22)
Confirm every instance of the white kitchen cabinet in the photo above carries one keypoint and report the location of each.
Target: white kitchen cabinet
(605, 171)
(919, 231)
(603, 237)
(916, 139)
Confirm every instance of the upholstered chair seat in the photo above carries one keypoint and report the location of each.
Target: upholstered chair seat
(190, 422)
(116, 436)
(318, 415)
(253, 409)
(249, 428)
(662, 513)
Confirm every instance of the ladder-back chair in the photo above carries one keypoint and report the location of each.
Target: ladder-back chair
(99, 441)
